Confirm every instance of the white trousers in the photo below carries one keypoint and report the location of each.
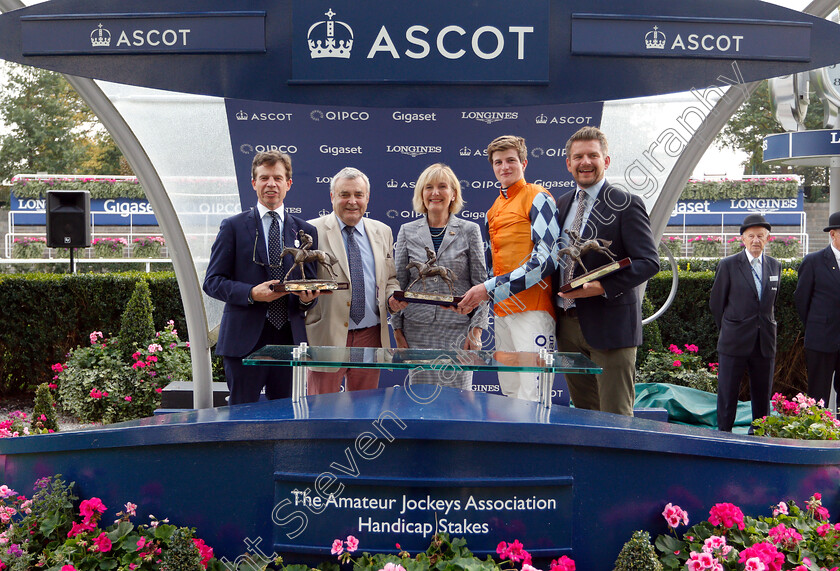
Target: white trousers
(526, 331)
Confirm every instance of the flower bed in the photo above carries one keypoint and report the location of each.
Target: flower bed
(46, 532)
(679, 367)
(109, 247)
(147, 247)
(29, 247)
(791, 539)
(787, 247)
(735, 244)
(706, 246)
(674, 244)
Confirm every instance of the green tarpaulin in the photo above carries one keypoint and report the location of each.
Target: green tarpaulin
(688, 406)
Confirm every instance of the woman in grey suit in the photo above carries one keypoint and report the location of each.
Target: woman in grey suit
(458, 246)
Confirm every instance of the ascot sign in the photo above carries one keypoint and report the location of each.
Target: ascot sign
(323, 41)
(430, 54)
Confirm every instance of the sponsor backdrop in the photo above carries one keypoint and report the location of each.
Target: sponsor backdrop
(778, 211)
(393, 146)
(110, 211)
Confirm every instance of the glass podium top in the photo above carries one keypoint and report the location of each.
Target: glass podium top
(431, 359)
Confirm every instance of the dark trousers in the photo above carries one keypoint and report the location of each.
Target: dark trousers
(821, 368)
(730, 371)
(246, 382)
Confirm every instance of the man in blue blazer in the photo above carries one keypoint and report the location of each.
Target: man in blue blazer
(240, 274)
(742, 302)
(603, 319)
(817, 299)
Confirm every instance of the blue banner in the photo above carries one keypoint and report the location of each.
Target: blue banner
(75, 34)
(104, 211)
(731, 212)
(334, 42)
(666, 36)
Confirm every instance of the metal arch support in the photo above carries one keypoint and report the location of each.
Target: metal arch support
(675, 283)
(703, 137)
(185, 273)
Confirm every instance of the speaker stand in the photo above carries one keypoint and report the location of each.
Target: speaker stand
(72, 261)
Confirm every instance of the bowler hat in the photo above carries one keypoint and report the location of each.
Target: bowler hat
(755, 220)
(833, 222)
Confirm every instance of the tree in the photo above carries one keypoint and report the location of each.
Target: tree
(51, 129)
(753, 121)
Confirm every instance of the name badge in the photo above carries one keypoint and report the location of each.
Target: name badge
(774, 278)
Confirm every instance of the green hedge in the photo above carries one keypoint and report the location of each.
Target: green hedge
(783, 187)
(46, 315)
(99, 189)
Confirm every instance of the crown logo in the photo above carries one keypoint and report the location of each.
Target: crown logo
(324, 43)
(241, 116)
(542, 119)
(466, 151)
(100, 38)
(392, 184)
(655, 40)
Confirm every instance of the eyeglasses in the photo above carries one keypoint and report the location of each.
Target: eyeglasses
(254, 255)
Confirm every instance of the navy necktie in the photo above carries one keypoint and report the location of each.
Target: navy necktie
(278, 313)
(357, 276)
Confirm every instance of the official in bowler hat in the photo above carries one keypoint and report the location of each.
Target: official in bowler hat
(742, 302)
(817, 299)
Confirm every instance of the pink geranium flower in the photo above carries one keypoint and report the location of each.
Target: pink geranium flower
(562, 564)
(103, 543)
(352, 543)
(726, 515)
(675, 515)
(337, 547)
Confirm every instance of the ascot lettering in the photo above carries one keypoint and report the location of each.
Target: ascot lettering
(707, 43)
(154, 38)
(487, 36)
(271, 117)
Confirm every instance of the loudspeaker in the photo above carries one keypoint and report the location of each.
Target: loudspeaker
(68, 218)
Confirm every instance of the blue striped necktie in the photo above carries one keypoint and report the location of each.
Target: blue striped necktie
(357, 276)
(756, 267)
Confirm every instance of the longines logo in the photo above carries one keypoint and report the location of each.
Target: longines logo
(317, 115)
(248, 149)
(413, 150)
(538, 152)
(490, 117)
(243, 116)
(100, 38)
(321, 38)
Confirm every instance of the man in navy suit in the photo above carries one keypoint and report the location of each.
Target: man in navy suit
(742, 302)
(244, 268)
(603, 319)
(817, 299)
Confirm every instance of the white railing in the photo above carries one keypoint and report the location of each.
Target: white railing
(147, 261)
(717, 219)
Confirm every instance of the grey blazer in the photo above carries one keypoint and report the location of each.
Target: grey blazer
(462, 251)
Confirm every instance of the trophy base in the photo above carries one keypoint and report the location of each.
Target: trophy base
(311, 285)
(428, 298)
(595, 274)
